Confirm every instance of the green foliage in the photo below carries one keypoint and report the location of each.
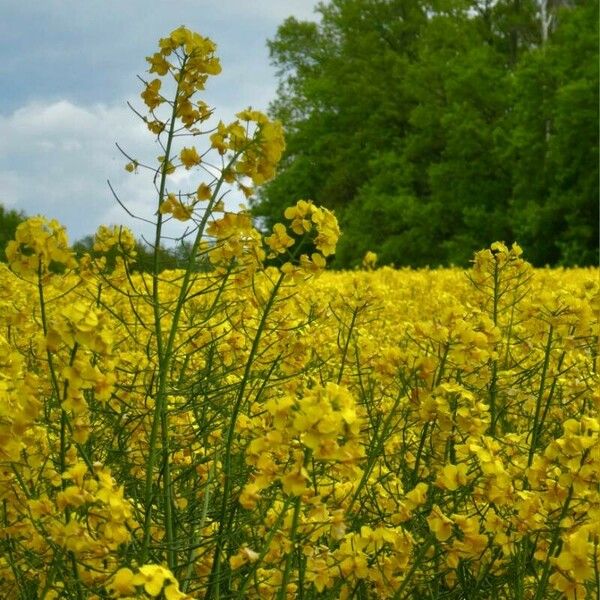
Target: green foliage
(175, 257)
(9, 221)
(435, 128)
(554, 147)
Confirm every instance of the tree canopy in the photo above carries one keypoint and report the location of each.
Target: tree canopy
(434, 128)
(9, 221)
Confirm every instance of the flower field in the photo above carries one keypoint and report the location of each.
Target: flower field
(384, 434)
(264, 428)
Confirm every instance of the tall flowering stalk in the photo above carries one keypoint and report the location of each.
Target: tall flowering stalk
(250, 426)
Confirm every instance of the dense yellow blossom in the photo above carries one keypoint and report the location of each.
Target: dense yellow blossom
(254, 426)
(397, 442)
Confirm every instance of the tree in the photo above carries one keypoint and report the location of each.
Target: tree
(174, 257)
(341, 98)
(419, 123)
(554, 146)
(9, 221)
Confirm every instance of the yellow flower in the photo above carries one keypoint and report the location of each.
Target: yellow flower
(181, 36)
(571, 589)
(452, 477)
(158, 64)
(151, 96)
(576, 556)
(252, 115)
(280, 241)
(152, 577)
(294, 483)
(300, 216)
(204, 192)
(250, 496)
(328, 231)
(123, 582)
(315, 264)
(417, 496)
(174, 206)
(369, 260)
(243, 556)
(439, 523)
(38, 243)
(156, 126)
(189, 157)
(172, 592)
(320, 572)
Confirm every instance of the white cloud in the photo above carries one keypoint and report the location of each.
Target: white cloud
(268, 10)
(59, 158)
(64, 104)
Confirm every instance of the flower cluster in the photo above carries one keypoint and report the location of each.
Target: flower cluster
(236, 428)
(39, 244)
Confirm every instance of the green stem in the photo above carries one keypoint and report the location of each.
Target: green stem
(160, 407)
(442, 366)
(224, 522)
(11, 559)
(289, 558)
(420, 452)
(376, 451)
(192, 555)
(347, 344)
(414, 567)
(540, 397)
(272, 532)
(541, 589)
(493, 395)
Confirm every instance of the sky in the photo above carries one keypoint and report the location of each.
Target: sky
(68, 69)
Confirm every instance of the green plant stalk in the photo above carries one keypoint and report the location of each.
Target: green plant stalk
(442, 367)
(44, 318)
(559, 364)
(375, 453)
(493, 396)
(192, 555)
(224, 523)
(165, 353)
(63, 455)
(494, 379)
(509, 334)
(167, 488)
(63, 413)
(424, 431)
(163, 367)
(11, 561)
(263, 553)
(347, 344)
(540, 397)
(596, 570)
(414, 567)
(64, 416)
(541, 589)
(289, 558)
(78, 587)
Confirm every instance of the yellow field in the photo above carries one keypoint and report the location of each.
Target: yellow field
(369, 434)
(253, 426)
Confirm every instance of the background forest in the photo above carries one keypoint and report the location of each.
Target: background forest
(435, 127)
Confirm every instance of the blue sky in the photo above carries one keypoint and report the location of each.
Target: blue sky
(68, 69)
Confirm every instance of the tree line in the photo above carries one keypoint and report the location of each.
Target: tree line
(434, 128)
(174, 257)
